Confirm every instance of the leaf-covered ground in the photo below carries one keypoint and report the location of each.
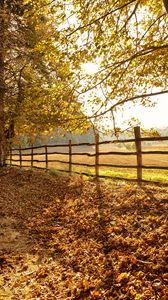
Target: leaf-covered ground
(66, 238)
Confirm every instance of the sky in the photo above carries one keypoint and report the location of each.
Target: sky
(150, 117)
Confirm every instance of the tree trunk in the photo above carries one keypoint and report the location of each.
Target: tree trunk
(166, 5)
(2, 85)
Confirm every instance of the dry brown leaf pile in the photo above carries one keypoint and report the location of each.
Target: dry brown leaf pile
(66, 238)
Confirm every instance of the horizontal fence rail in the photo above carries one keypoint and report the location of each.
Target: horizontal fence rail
(20, 156)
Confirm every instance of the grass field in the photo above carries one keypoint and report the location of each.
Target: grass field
(147, 159)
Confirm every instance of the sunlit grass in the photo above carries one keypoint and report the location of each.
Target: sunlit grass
(156, 175)
(151, 175)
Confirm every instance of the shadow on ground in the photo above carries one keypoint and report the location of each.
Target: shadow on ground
(67, 238)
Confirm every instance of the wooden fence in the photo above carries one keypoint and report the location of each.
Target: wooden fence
(46, 152)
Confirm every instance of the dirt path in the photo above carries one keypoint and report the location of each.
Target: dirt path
(10, 238)
(68, 239)
(24, 195)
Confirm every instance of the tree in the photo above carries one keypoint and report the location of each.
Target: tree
(36, 94)
(128, 40)
(166, 4)
(2, 82)
(44, 94)
(43, 45)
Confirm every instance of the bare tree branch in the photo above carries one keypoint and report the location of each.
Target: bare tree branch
(130, 100)
(112, 107)
(130, 16)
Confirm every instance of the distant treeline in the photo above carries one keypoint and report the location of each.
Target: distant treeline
(60, 137)
(56, 138)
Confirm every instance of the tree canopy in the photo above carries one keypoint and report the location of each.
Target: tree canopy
(37, 75)
(128, 40)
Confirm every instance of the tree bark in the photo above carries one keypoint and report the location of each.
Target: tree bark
(166, 5)
(2, 84)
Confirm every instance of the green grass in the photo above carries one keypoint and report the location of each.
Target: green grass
(152, 175)
(156, 175)
(160, 176)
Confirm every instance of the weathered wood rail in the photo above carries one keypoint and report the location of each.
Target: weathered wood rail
(21, 154)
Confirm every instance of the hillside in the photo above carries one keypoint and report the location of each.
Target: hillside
(66, 238)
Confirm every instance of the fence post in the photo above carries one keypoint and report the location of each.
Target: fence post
(46, 156)
(32, 156)
(137, 133)
(20, 155)
(70, 157)
(97, 156)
